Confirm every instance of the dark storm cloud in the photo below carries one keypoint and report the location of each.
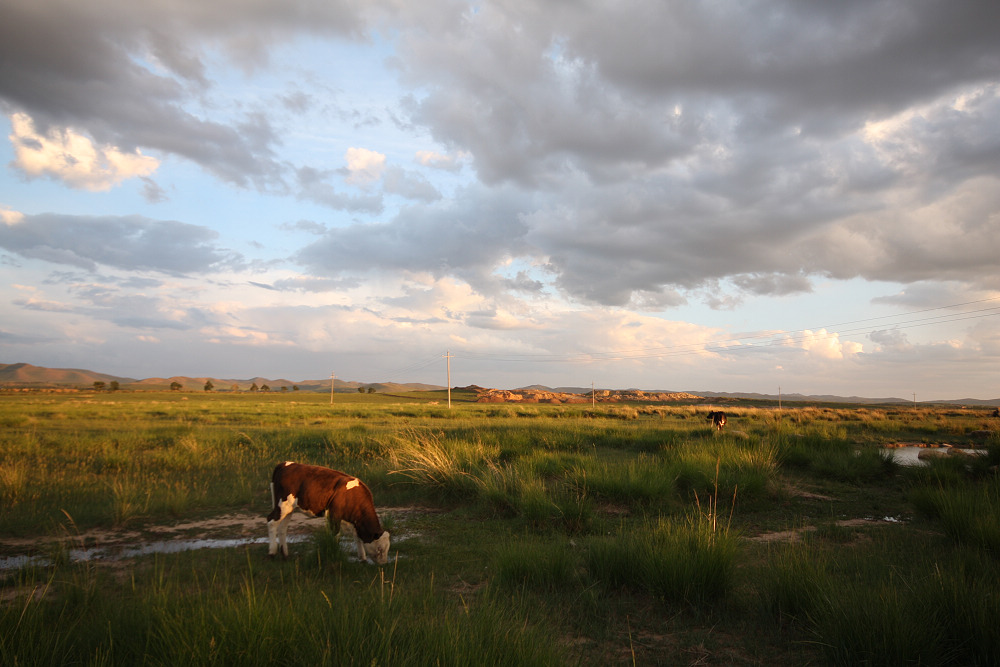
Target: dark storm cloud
(129, 243)
(685, 146)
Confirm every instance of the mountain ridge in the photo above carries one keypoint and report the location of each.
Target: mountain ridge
(24, 375)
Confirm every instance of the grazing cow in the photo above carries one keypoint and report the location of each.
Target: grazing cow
(718, 419)
(319, 491)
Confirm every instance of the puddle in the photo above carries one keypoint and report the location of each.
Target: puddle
(123, 546)
(910, 456)
(115, 554)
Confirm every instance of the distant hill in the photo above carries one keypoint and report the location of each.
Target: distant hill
(859, 400)
(791, 398)
(26, 375)
(37, 377)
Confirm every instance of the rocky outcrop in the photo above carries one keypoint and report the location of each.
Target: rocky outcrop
(602, 396)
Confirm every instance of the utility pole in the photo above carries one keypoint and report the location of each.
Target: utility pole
(593, 395)
(447, 355)
(779, 398)
(331, 388)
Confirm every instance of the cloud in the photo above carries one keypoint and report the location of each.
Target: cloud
(74, 158)
(436, 160)
(364, 167)
(827, 344)
(719, 144)
(889, 339)
(125, 75)
(129, 243)
(465, 237)
(152, 192)
(313, 186)
(409, 185)
(10, 217)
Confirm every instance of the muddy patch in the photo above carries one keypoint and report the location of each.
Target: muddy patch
(235, 529)
(792, 536)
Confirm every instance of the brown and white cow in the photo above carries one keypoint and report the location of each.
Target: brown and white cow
(718, 419)
(319, 491)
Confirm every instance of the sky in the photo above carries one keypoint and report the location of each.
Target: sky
(695, 195)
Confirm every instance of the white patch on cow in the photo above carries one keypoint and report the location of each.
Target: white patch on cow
(353, 483)
(277, 530)
(288, 463)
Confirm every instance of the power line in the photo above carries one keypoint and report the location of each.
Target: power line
(750, 341)
(776, 338)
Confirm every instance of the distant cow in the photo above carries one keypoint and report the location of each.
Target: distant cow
(996, 413)
(319, 491)
(718, 419)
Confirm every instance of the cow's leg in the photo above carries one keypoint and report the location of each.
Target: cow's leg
(348, 528)
(362, 556)
(277, 526)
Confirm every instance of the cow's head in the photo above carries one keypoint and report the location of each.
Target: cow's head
(378, 550)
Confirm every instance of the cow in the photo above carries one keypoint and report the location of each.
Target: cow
(718, 419)
(319, 491)
(996, 413)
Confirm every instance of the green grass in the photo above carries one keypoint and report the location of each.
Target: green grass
(541, 534)
(225, 609)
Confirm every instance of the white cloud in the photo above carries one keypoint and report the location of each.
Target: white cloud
(364, 166)
(436, 160)
(827, 345)
(239, 336)
(10, 217)
(74, 158)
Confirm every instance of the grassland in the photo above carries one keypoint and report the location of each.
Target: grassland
(532, 534)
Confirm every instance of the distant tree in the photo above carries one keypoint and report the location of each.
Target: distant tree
(361, 390)
(175, 386)
(98, 385)
(235, 387)
(264, 387)
(209, 386)
(114, 386)
(254, 387)
(283, 388)
(295, 387)
(371, 390)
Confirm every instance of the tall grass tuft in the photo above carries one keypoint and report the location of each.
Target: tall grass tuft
(795, 582)
(425, 459)
(970, 514)
(130, 495)
(676, 561)
(536, 564)
(878, 625)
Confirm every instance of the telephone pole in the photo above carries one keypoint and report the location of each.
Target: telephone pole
(447, 355)
(331, 388)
